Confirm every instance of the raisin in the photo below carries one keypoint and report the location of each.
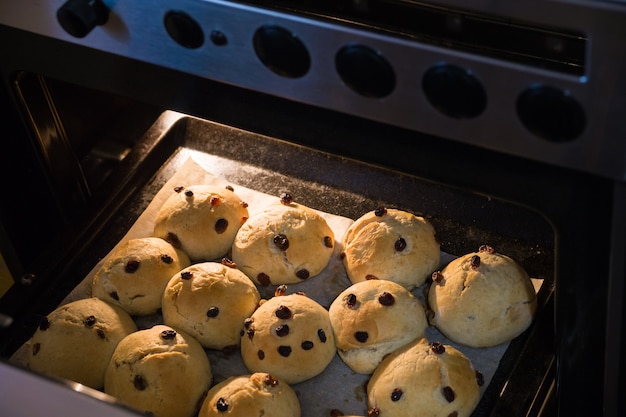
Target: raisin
(361, 336)
(284, 351)
(250, 332)
(260, 354)
(475, 262)
(89, 321)
(222, 404)
(328, 241)
(283, 312)
(454, 414)
(44, 324)
(215, 201)
(370, 277)
(396, 394)
(373, 412)
(286, 199)
(263, 279)
(101, 334)
(179, 188)
(380, 211)
(281, 242)
(213, 312)
(247, 322)
(437, 277)
(400, 244)
(321, 334)
(173, 240)
(36, 348)
(438, 348)
(188, 193)
(131, 266)
(480, 379)
(220, 226)
(448, 393)
(168, 334)
(486, 248)
(244, 205)
(342, 256)
(165, 258)
(113, 295)
(386, 299)
(270, 381)
(303, 273)
(351, 300)
(229, 263)
(307, 345)
(282, 330)
(185, 275)
(139, 383)
(230, 188)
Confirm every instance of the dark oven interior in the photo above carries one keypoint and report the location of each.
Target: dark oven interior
(89, 138)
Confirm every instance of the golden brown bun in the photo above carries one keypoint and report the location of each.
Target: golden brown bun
(289, 337)
(482, 299)
(76, 340)
(257, 394)
(371, 319)
(414, 381)
(284, 244)
(202, 220)
(159, 371)
(391, 244)
(136, 273)
(210, 302)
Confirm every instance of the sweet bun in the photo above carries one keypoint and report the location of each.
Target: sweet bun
(371, 319)
(257, 394)
(159, 371)
(391, 244)
(283, 244)
(136, 273)
(289, 337)
(424, 380)
(202, 220)
(210, 302)
(76, 340)
(482, 299)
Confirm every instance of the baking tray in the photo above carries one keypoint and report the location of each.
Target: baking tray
(347, 188)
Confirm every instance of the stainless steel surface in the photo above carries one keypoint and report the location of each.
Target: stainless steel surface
(136, 30)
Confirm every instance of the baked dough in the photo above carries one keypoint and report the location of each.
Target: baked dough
(371, 319)
(210, 301)
(202, 220)
(258, 394)
(76, 340)
(482, 299)
(283, 244)
(391, 244)
(424, 380)
(289, 337)
(159, 371)
(136, 273)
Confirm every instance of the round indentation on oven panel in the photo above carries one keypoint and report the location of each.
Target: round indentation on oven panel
(454, 91)
(551, 113)
(365, 71)
(281, 51)
(183, 29)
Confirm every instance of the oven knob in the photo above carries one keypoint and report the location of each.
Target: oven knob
(79, 17)
(281, 51)
(365, 71)
(551, 114)
(454, 91)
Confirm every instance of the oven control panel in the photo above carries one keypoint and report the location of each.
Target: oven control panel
(541, 79)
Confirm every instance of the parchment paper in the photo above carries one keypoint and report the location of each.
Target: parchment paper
(337, 387)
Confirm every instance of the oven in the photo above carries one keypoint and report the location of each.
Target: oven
(501, 122)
